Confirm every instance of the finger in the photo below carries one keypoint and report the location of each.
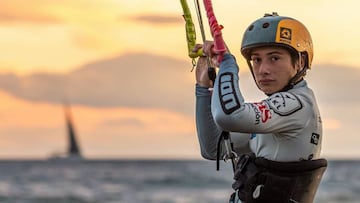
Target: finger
(201, 62)
(214, 61)
(197, 47)
(209, 48)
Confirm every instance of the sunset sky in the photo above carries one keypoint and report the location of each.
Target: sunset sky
(123, 66)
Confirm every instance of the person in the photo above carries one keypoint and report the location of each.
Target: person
(277, 140)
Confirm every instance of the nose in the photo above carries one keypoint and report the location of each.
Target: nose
(264, 68)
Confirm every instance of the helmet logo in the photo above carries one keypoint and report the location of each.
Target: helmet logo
(285, 33)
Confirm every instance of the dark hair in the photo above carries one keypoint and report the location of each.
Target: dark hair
(295, 56)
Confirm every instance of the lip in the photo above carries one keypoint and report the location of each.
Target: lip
(266, 81)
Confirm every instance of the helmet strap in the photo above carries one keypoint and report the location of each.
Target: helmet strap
(252, 72)
(298, 76)
(295, 80)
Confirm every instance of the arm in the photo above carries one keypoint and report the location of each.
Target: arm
(208, 132)
(231, 113)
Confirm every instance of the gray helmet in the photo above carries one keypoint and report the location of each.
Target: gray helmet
(273, 29)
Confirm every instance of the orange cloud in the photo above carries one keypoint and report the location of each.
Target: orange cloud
(34, 12)
(8, 17)
(154, 19)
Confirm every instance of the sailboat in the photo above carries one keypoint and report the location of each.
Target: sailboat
(73, 150)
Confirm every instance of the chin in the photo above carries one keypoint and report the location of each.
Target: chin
(268, 91)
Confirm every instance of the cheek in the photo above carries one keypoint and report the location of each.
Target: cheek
(257, 76)
(292, 72)
(256, 72)
(284, 77)
(286, 72)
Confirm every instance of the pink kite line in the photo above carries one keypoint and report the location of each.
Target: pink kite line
(215, 28)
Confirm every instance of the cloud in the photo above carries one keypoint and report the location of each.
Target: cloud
(142, 80)
(157, 19)
(159, 91)
(124, 122)
(29, 17)
(335, 83)
(53, 12)
(133, 80)
(12, 12)
(39, 129)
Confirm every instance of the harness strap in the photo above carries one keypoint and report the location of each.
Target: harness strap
(260, 180)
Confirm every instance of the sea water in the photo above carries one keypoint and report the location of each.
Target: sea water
(146, 181)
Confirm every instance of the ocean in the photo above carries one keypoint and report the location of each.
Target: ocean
(147, 181)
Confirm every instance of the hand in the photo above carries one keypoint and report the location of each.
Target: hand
(209, 51)
(202, 67)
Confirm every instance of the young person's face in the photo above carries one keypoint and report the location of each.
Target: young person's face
(273, 68)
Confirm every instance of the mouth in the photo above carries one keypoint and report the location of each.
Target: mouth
(266, 82)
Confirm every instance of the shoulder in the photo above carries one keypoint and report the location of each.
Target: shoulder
(299, 98)
(284, 103)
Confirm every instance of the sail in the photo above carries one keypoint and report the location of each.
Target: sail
(73, 146)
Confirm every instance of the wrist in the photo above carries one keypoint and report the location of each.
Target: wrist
(206, 85)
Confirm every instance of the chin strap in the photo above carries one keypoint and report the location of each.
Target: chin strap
(295, 80)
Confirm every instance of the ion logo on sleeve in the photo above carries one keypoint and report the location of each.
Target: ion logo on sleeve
(228, 98)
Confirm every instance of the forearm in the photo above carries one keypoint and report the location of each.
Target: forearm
(227, 98)
(207, 131)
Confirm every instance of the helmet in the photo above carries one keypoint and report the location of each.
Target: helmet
(273, 29)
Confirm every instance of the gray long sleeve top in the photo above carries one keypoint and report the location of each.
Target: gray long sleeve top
(286, 126)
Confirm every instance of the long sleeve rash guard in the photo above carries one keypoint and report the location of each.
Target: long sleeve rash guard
(286, 126)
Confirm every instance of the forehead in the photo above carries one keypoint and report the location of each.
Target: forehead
(268, 50)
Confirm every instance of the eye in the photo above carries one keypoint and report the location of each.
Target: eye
(275, 58)
(255, 60)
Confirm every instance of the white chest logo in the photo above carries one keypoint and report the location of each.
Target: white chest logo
(284, 103)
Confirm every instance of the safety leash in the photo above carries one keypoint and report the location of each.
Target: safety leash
(230, 153)
(220, 48)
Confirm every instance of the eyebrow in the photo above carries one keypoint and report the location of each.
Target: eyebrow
(268, 54)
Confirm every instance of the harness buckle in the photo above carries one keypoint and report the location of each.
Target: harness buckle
(244, 160)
